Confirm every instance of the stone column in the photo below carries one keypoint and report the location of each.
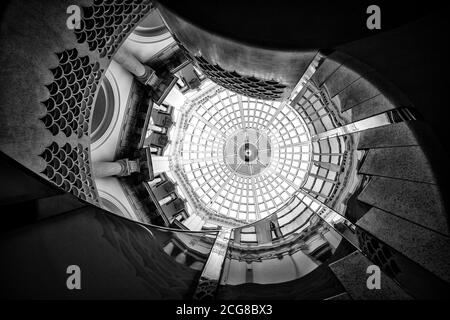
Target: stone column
(142, 72)
(160, 85)
(123, 167)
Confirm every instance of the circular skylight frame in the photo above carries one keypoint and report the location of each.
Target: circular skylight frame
(214, 117)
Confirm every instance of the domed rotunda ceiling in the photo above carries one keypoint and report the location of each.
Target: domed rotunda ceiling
(241, 157)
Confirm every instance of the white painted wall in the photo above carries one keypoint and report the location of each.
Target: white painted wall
(175, 98)
(111, 189)
(120, 79)
(271, 270)
(160, 164)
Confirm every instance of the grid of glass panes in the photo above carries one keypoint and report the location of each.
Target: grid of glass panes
(201, 141)
(257, 114)
(295, 216)
(221, 111)
(226, 192)
(314, 112)
(326, 164)
(292, 152)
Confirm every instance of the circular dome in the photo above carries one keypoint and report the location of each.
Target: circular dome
(247, 152)
(242, 157)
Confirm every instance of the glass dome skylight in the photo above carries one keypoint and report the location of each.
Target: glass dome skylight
(242, 157)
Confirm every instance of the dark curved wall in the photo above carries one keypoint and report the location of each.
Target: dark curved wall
(317, 285)
(295, 24)
(409, 50)
(119, 259)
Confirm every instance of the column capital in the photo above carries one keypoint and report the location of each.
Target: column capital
(119, 168)
(149, 77)
(128, 167)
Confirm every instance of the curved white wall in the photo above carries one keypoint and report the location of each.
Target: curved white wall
(120, 79)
